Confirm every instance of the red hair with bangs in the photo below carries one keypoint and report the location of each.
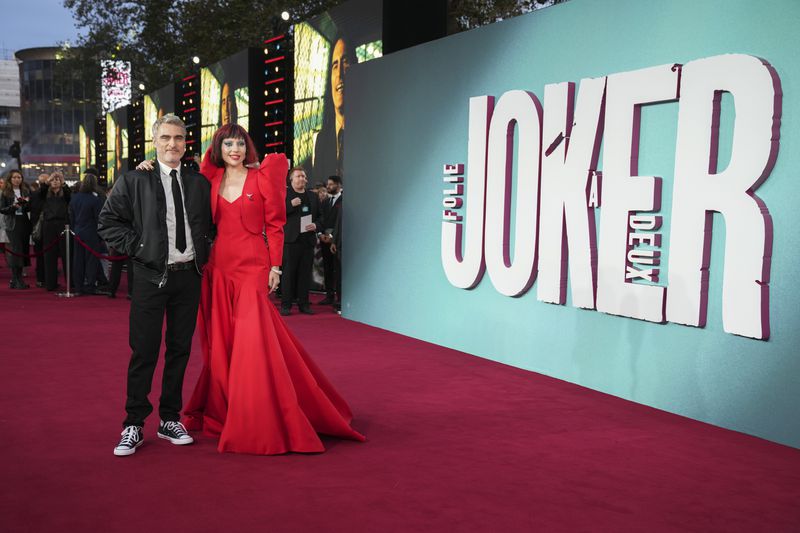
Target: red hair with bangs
(232, 131)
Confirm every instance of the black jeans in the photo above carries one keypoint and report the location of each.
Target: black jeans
(298, 260)
(329, 262)
(338, 261)
(177, 300)
(37, 247)
(51, 230)
(85, 265)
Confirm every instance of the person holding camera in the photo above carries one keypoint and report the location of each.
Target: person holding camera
(14, 207)
(55, 196)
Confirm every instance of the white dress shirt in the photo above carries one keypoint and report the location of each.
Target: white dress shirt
(174, 255)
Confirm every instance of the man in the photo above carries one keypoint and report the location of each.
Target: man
(193, 163)
(336, 248)
(302, 223)
(331, 212)
(162, 220)
(322, 193)
(329, 146)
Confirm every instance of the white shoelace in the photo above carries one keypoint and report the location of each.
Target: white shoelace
(128, 436)
(177, 427)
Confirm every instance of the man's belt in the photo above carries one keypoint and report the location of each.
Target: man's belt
(173, 267)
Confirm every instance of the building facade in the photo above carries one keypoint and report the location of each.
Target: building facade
(10, 118)
(52, 110)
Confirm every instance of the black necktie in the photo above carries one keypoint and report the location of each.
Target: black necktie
(180, 226)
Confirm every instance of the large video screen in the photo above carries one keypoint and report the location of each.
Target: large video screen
(111, 156)
(224, 96)
(86, 148)
(118, 143)
(156, 105)
(324, 49)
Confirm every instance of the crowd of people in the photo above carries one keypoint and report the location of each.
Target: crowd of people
(313, 222)
(33, 231)
(204, 248)
(34, 217)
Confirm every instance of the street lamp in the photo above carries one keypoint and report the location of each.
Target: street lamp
(285, 15)
(196, 60)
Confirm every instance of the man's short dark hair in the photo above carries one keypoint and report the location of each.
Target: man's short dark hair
(91, 170)
(336, 179)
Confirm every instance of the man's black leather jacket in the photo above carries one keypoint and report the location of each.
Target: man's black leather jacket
(134, 220)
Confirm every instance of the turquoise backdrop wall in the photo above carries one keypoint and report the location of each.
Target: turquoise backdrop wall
(407, 115)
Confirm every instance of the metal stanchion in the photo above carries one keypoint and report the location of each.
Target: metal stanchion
(68, 293)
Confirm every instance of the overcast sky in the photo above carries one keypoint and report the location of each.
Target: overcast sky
(32, 23)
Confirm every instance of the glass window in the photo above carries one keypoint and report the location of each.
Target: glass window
(58, 120)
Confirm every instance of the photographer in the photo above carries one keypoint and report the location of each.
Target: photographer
(14, 207)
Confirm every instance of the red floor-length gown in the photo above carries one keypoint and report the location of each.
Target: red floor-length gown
(258, 391)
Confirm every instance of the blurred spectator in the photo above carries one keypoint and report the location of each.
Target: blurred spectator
(331, 212)
(84, 210)
(336, 248)
(55, 196)
(322, 192)
(36, 212)
(302, 223)
(3, 234)
(194, 162)
(14, 206)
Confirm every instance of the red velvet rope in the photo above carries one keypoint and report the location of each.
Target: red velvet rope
(34, 254)
(98, 254)
(55, 242)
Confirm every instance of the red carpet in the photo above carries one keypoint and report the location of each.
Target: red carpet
(456, 443)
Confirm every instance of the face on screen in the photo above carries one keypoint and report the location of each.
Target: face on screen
(339, 65)
(228, 101)
(118, 146)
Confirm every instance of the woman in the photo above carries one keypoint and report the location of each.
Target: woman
(14, 205)
(55, 196)
(36, 213)
(84, 209)
(258, 390)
